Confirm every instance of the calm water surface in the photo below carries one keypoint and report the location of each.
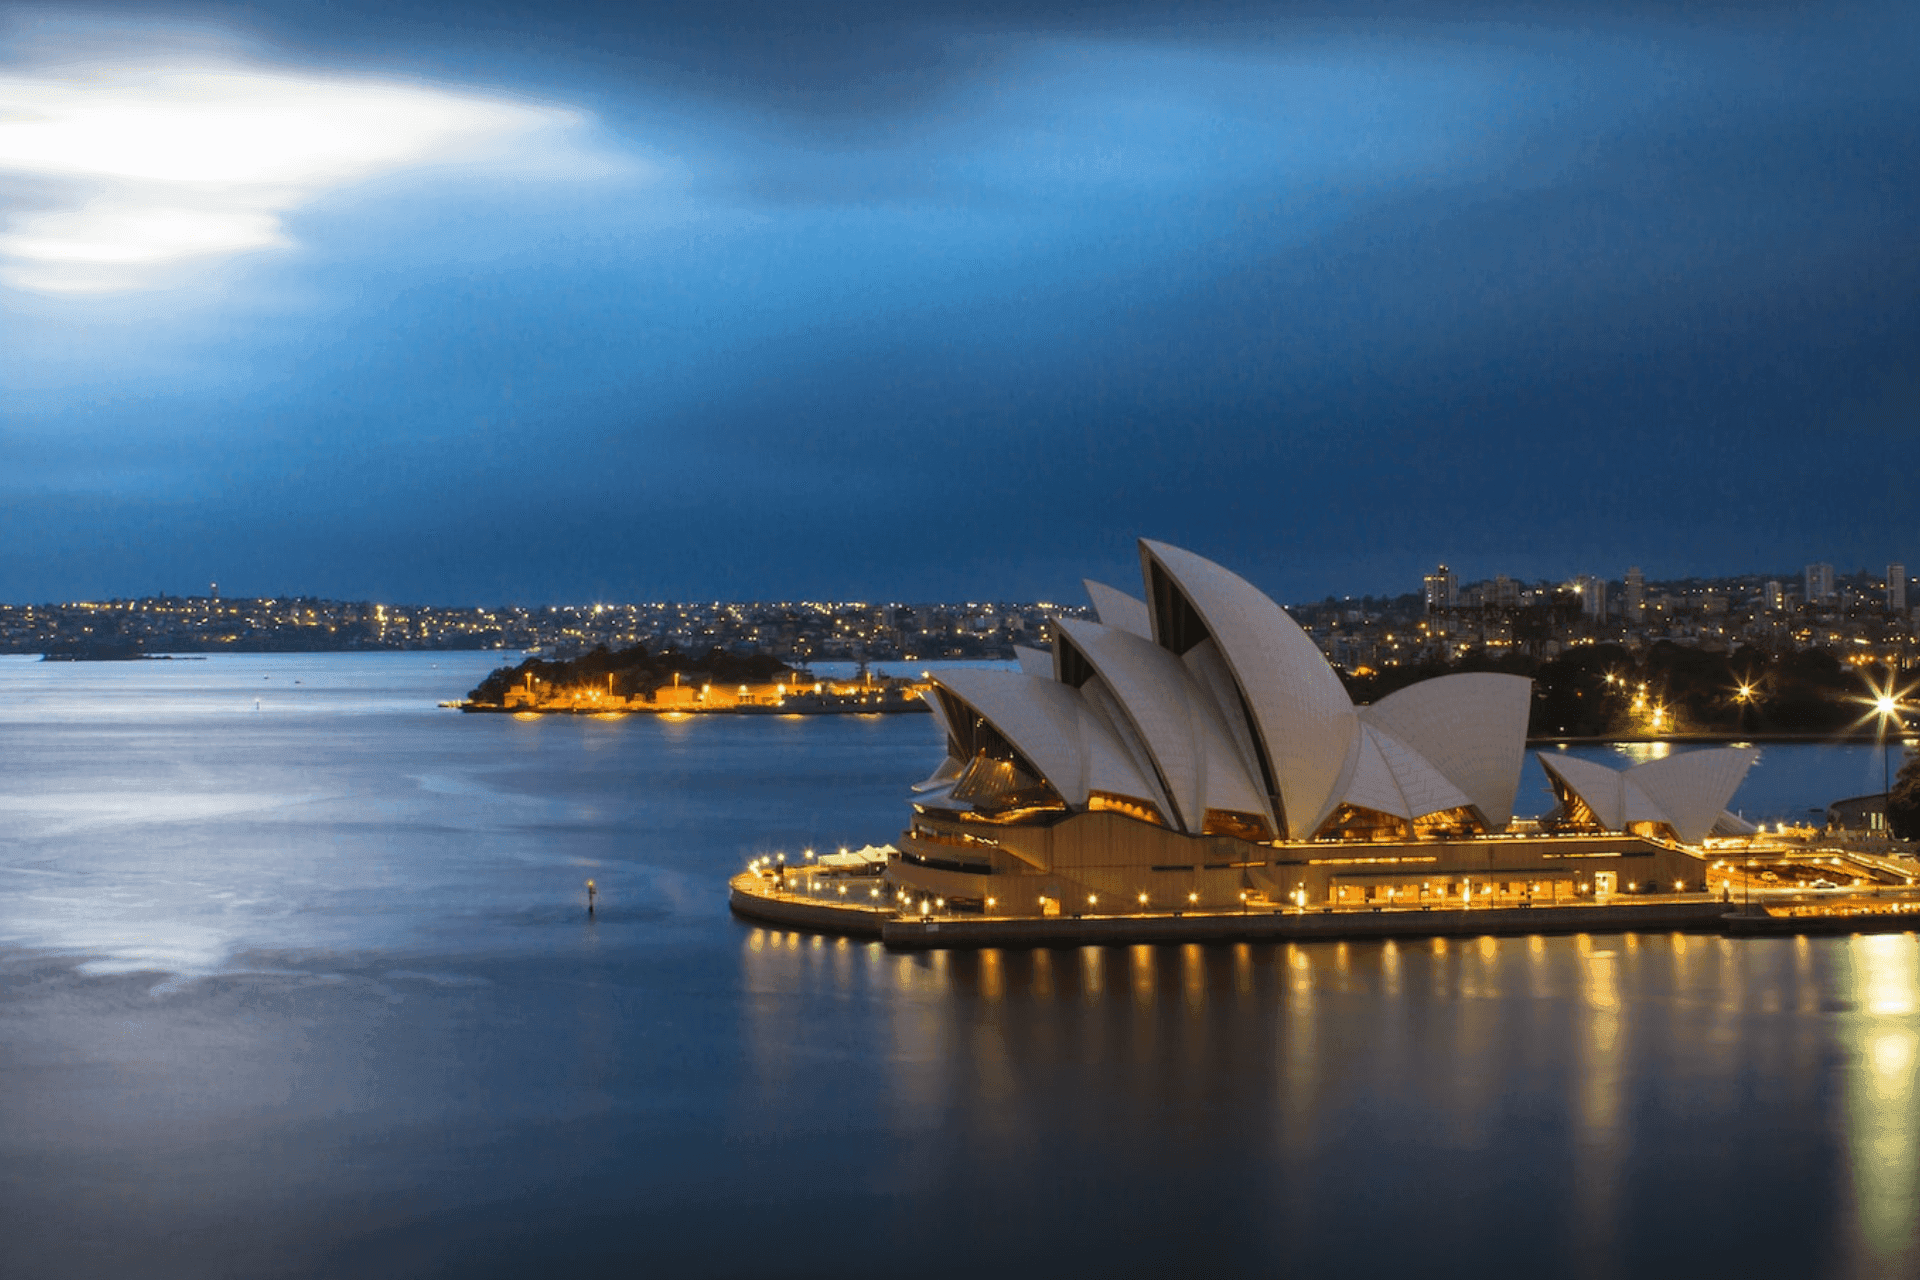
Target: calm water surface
(307, 990)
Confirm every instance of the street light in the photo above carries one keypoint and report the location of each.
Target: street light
(1885, 707)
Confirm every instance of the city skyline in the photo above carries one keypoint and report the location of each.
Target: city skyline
(1790, 581)
(590, 302)
(1448, 620)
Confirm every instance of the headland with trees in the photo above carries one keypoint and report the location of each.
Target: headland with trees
(670, 681)
(1606, 691)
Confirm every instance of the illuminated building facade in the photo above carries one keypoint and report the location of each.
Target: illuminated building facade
(1442, 589)
(1192, 747)
(1819, 583)
(1593, 595)
(1636, 595)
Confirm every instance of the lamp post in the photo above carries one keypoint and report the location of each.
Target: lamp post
(1886, 708)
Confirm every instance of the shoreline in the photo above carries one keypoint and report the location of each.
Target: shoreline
(916, 707)
(1852, 738)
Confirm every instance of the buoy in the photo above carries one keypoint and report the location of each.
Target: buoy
(591, 890)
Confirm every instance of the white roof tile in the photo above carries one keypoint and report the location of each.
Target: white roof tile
(1053, 727)
(1688, 791)
(1186, 744)
(1117, 609)
(1471, 726)
(1299, 708)
(1691, 788)
(1034, 662)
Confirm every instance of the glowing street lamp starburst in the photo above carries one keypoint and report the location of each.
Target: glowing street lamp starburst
(1886, 705)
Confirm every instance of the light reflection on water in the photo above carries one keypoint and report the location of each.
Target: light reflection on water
(1604, 1070)
(1882, 1038)
(1601, 1142)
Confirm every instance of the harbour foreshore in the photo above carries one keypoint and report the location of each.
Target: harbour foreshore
(764, 900)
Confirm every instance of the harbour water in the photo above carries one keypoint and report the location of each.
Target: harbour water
(296, 980)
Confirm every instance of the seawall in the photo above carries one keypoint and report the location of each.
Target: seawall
(754, 897)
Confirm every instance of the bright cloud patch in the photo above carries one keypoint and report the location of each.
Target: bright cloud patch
(137, 170)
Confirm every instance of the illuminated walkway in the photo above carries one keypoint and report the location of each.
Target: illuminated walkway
(804, 898)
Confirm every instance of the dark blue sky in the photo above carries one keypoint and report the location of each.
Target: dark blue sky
(463, 303)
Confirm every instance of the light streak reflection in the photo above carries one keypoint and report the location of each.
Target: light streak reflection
(1598, 1074)
(1883, 1112)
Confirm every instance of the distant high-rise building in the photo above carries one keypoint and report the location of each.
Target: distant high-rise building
(1773, 595)
(1896, 588)
(1819, 583)
(1506, 592)
(1443, 589)
(1636, 600)
(1593, 595)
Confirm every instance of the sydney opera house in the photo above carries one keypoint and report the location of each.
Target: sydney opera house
(1193, 749)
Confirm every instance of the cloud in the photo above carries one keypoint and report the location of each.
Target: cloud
(129, 169)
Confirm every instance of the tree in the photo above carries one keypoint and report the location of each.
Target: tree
(1903, 804)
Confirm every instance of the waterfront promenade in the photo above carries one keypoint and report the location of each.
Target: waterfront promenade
(809, 900)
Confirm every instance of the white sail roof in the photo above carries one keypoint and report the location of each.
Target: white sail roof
(1472, 727)
(932, 700)
(1209, 671)
(1692, 787)
(1390, 777)
(1187, 745)
(1732, 824)
(1105, 704)
(1116, 608)
(1034, 662)
(1603, 789)
(1372, 785)
(1211, 697)
(948, 769)
(1302, 717)
(1426, 789)
(1052, 726)
(1688, 791)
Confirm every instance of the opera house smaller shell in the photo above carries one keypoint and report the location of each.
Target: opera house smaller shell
(1192, 746)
